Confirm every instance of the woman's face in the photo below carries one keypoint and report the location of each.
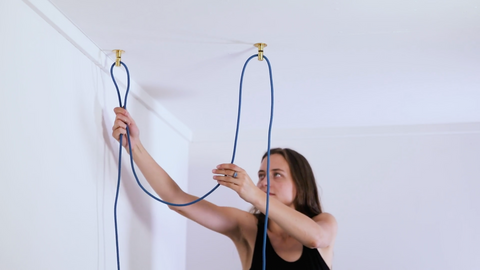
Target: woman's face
(282, 186)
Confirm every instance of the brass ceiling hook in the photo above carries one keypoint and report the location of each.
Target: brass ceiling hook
(119, 57)
(260, 47)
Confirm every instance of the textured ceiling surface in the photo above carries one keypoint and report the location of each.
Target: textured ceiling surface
(335, 63)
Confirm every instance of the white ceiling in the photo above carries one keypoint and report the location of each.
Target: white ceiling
(335, 63)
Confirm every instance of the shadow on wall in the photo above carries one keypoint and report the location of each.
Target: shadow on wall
(139, 243)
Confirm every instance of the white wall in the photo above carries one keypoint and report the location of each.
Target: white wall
(404, 196)
(59, 163)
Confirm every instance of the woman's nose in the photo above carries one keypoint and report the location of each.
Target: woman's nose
(263, 182)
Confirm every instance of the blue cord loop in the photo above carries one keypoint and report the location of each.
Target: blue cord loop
(119, 156)
(233, 155)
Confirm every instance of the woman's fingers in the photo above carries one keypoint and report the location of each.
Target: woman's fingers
(119, 131)
(229, 185)
(231, 176)
(228, 166)
(227, 178)
(119, 124)
(241, 183)
(224, 172)
(228, 172)
(120, 110)
(116, 134)
(123, 115)
(119, 127)
(123, 119)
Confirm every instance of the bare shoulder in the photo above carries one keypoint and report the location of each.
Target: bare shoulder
(329, 225)
(244, 235)
(326, 218)
(246, 223)
(248, 226)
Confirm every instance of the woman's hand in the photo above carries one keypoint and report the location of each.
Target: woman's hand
(123, 119)
(234, 177)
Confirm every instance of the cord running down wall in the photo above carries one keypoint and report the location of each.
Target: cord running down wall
(119, 63)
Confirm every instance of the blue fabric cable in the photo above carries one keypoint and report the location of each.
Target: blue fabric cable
(233, 155)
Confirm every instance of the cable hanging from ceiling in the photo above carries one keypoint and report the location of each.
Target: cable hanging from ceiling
(119, 63)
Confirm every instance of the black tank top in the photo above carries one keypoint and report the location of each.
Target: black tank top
(310, 259)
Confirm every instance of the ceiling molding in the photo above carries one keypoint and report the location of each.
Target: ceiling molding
(77, 38)
(339, 132)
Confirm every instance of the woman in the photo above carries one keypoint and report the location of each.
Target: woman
(300, 235)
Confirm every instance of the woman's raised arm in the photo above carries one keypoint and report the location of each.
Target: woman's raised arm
(224, 220)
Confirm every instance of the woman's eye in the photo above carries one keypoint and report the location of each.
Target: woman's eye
(261, 176)
(277, 175)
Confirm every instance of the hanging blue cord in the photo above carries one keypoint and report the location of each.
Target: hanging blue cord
(264, 264)
(119, 156)
(233, 155)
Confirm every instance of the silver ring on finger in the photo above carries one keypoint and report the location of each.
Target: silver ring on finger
(235, 174)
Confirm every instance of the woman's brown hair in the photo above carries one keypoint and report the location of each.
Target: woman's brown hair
(306, 200)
